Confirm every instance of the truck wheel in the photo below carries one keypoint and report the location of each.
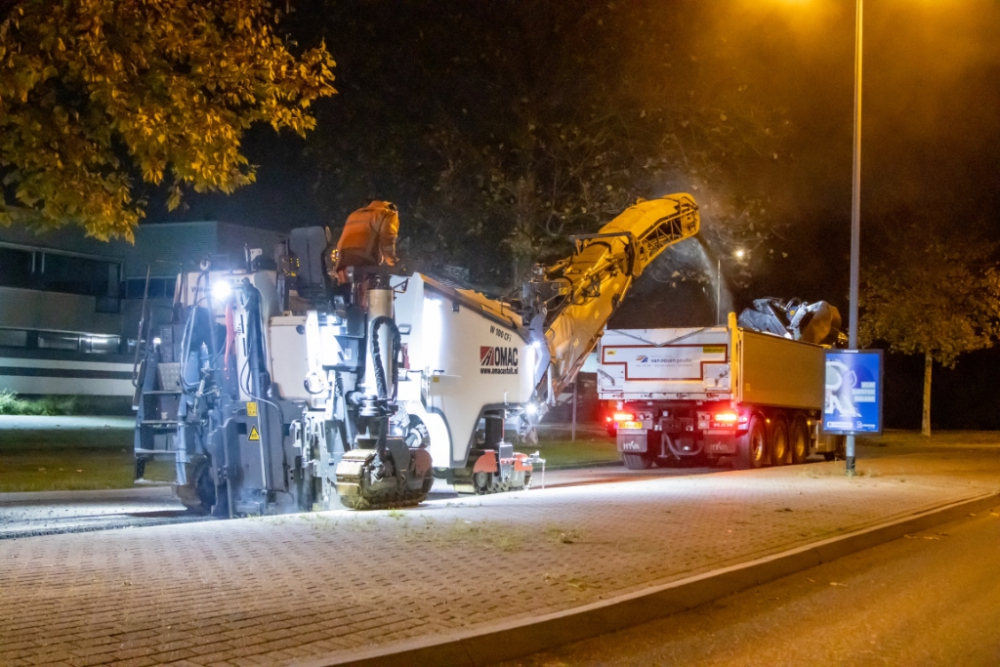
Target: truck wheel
(636, 462)
(799, 437)
(752, 447)
(779, 442)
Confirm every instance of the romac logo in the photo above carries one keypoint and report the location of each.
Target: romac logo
(497, 360)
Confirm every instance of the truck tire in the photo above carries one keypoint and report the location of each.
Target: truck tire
(637, 462)
(751, 451)
(799, 440)
(779, 442)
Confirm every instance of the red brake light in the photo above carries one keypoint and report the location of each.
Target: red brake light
(624, 417)
(727, 419)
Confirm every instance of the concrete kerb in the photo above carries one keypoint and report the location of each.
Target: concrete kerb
(506, 641)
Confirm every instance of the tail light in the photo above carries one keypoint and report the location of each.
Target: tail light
(624, 417)
(726, 419)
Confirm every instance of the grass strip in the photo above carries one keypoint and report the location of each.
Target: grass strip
(587, 450)
(71, 460)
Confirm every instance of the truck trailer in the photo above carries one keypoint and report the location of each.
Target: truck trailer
(697, 395)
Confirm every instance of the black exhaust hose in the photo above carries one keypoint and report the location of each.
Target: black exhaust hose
(380, 381)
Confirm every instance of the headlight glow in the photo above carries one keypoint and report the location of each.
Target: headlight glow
(221, 291)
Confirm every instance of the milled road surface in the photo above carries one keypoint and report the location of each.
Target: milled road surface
(932, 598)
(49, 513)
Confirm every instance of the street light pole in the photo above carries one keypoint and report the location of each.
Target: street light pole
(718, 292)
(855, 205)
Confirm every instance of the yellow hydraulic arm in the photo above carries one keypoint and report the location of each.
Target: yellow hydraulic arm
(569, 303)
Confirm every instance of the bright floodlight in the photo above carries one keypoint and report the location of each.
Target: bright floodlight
(531, 409)
(221, 290)
(740, 253)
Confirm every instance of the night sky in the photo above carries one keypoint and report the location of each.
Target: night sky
(779, 71)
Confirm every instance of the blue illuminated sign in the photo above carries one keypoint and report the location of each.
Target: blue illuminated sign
(853, 392)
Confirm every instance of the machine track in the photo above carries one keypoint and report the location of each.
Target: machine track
(384, 502)
(356, 492)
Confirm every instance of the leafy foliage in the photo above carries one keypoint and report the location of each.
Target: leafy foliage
(932, 292)
(97, 94)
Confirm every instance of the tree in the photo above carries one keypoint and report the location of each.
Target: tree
(547, 119)
(97, 95)
(935, 294)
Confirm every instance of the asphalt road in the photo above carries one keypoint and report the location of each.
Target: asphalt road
(932, 598)
(31, 514)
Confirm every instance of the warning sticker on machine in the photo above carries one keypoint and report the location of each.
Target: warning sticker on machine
(497, 360)
(254, 434)
(251, 408)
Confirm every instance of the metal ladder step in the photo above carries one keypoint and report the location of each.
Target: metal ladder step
(155, 452)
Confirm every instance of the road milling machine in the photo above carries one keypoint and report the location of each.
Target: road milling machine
(281, 390)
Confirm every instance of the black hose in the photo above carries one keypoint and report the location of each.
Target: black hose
(380, 382)
(340, 399)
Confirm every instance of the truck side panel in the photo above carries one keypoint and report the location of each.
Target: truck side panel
(780, 372)
(664, 364)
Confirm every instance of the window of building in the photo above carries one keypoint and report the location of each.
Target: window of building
(57, 272)
(54, 340)
(61, 340)
(15, 267)
(100, 344)
(13, 338)
(79, 275)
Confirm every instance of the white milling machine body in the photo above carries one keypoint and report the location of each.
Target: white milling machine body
(361, 392)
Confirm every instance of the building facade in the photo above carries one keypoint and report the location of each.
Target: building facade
(70, 306)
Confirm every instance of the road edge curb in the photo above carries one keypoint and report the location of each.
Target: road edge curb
(506, 641)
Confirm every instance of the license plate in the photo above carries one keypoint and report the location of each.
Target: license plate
(631, 426)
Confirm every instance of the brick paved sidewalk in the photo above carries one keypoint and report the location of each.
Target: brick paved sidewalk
(282, 589)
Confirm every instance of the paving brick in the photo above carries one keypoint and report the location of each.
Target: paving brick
(129, 653)
(134, 662)
(91, 659)
(214, 648)
(46, 656)
(172, 656)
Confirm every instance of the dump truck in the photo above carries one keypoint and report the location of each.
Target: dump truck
(697, 395)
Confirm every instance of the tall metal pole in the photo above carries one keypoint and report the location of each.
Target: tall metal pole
(718, 293)
(575, 383)
(855, 204)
